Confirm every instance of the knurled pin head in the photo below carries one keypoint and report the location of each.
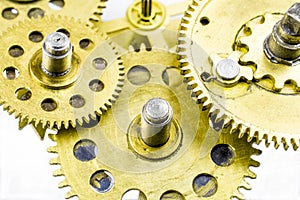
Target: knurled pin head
(291, 20)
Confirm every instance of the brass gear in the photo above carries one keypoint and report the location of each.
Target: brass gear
(253, 34)
(240, 102)
(14, 11)
(100, 162)
(159, 29)
(35, 97)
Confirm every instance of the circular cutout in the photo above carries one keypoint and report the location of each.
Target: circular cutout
(204, 21)
(16, 51)
(85, 44)
(205, 185)
(36, 13)
(134, 194)
(102, 181)
(100, 63)
(77, 101)
(96, 85)
(36, 36)
(223, 155)
(171, 77)
(64, 31)
(85, 150)
(138, 75)
(48, 105)
(10, 73)
(23, 94)
(56, 4)
(10, 13)
(172, 195)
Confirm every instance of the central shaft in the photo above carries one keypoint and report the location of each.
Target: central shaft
(146, 8)
(156, 122)
(57, 54)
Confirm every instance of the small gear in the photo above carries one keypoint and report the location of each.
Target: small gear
(146, 22)
(19, 10)
(258, 30)
(105, 161)
(243, 104)
(76, 95)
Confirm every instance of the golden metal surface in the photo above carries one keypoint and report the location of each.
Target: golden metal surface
(209, 34)
(54, 101)
(99, 163)
(13, 12)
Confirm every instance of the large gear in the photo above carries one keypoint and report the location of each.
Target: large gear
(36, 97)
(19, 10)
(241, 102)
(103, 161)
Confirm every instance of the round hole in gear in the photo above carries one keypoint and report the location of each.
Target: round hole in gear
(86, 44)
(102, 181)
(223, 155)
(96, 85)
(205, 185)
(16, 51)
(85, 150)
(56, 4)
(10, 73)
(64, 31)
(49, 105)
(134, 194)
(204, 21)
(10, 13)
(171, 77)
(77, 101)
(100, 63)
(138, 75)
(23, 94)
(36, 36)
(172, 194)
(36, 13)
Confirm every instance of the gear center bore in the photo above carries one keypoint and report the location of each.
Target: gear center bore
(55, 65)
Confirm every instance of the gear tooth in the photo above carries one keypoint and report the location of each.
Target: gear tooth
(52, 149)
(295, 143)
(238, 195)
(22, 123)
(71, 124)
(131, 48)
(58, 172)
(245, 185)
(55, 161)
(251, 174)
(275, 141)
(254, 163)
(285, 144)
(52, 137)
(63, 184)
(79, 122)
(71, 194)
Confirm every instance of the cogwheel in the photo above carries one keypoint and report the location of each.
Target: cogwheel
(76, 95)
(259, 29)
(19, 10)
(153, 26)
(242, 104)
(109, 160)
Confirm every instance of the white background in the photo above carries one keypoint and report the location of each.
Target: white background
(26, 175)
